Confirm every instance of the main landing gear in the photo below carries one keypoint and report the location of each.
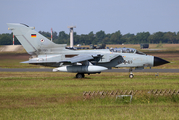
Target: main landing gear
(131, 75)
(80, 75)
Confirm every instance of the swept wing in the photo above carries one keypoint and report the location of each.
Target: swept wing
(81, 58)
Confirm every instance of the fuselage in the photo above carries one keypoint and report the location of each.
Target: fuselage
(123, 59)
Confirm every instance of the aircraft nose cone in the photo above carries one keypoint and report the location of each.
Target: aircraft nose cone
(158, 61)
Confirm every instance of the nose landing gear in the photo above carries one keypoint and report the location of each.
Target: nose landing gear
(131, 75)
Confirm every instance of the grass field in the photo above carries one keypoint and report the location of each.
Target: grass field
(47, 95)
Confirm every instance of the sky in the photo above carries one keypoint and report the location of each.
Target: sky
(128, 16)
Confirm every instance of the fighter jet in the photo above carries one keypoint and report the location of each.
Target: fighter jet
(46, 53)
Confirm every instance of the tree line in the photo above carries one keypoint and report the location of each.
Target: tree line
(101, 37)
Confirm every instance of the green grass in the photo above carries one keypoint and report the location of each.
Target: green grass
(47, 95)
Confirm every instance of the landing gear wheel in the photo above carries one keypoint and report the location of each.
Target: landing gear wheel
(80, 75)
(131, 76)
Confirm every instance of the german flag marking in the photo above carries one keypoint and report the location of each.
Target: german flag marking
(33, 35)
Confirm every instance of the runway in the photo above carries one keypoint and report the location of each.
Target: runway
(112, 70)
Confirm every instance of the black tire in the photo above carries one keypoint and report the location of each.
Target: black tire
(79, 75)
(131, 76)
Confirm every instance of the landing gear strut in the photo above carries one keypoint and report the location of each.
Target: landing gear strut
(80, 75)
(131, 75)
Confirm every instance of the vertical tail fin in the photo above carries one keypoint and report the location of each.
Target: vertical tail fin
(31, 40)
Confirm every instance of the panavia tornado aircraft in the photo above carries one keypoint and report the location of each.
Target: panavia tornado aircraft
(46, 53)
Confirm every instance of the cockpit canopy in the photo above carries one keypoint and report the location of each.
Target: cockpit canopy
(126, 50)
